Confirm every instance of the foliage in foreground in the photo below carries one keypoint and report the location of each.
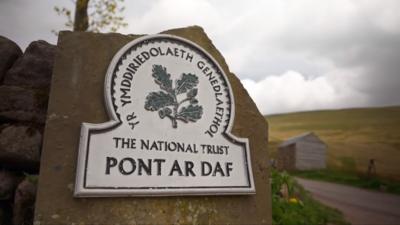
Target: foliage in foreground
(292, 205)
(352, 179)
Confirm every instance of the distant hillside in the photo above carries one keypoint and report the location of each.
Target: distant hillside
(353, 136)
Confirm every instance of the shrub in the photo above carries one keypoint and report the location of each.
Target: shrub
(297, 207)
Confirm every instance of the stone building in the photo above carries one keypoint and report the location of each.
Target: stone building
(303, 152)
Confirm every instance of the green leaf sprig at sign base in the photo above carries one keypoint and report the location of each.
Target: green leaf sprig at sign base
(171, 111)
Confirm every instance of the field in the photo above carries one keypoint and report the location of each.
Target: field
(353, 136)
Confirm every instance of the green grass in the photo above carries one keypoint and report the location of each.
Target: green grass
(353, 136)
(351, 179)
(304, 211)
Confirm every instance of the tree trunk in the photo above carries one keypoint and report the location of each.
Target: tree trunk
(81, 21)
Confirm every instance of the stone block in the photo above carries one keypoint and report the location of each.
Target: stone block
(23, 104)
(77, 96)
(8, 184)
(34, 67)
(9, 52)
(20, 147)
(24, 202)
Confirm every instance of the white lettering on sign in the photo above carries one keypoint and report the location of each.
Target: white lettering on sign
(171, 112)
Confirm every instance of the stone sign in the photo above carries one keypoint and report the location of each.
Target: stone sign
(171, 111)
(153, 122)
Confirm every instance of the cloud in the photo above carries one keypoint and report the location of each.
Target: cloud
(362, 36)
(27, 21)
(293, 91)
(353, 45)
(166, 14)
(348, 48)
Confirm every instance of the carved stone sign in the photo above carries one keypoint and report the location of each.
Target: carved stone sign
(171, 112)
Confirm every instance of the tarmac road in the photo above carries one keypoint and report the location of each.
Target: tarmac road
(358, 206)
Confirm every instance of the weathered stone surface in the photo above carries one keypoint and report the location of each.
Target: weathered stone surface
(34, 68)
(20, 147)
(77, 96)
(8, 183)
(23, 104)
(24, 202)
(9, 52)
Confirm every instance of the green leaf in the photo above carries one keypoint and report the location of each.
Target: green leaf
(164, 112)
(187, 82)
(190, 113)
(158, 100)
(192, 93)
(162, 78)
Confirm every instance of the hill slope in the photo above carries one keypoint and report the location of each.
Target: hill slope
(353, 136)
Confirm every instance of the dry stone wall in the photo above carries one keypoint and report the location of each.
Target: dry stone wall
(24, 91)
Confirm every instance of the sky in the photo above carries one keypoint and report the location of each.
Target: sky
(290, 55)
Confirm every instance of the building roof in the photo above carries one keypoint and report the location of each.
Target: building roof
(299, 138)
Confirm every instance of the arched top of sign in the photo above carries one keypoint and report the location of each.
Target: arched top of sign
(171, 112)
(124, 53)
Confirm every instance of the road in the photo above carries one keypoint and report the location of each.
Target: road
(359, 206)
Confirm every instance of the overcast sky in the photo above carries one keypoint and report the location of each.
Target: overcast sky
(291, 55)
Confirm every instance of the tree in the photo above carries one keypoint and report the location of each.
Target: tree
(94, 15)
(81, 20)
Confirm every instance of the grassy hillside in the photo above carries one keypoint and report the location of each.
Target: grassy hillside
(353, 136)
